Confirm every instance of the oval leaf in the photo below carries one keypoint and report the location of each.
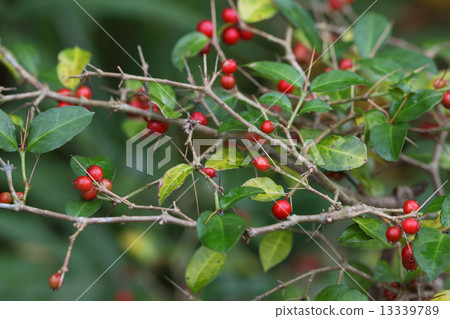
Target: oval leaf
(315, 105)
(237, 194)
(353, 236)
(336, 80)
(278, 71)
(8, 141)
(272, 191)
(173, 179)
(274, 248)
(109, 170)
(409, 59)
(388, 140)
(220, 232)
(445, 212)
(188, 46)
(371, 32)
(275, 98)
(383, 273)
(416, 105)
(376, 68)
(435, 205)
(204, 266)
(340, 293)
(164, 94)
(55, 127)
(79, 207)
(373, 228)
(223, 160)
(252, 11)
(72, 62)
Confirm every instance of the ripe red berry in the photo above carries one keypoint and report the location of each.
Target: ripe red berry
(63, 104)
(107, 184)
(303, 54)
(335, 5)
(327, 69)
(410, 226)
(261, 163)
(276, 108)
(407, 253)
(246, 35)
(281, 209)
(446, 100)
(19, 195)
(345, 64)
(252, 136)
(229, 15)
(267, 127)
(409, 265)
(205, 49)
(439, 83)
(230, 35)
(65, 92)
(410, 206)
(393, 234)
(83, 183)
(157, 126)
(155, 108)
(389, 295)
(229, 66)
(96, 172)
(90, 194)
(5, 198)
(210, 172)
(285, 87)
(205, 27)
(55, 281)
(228, 81)
(85, 92)
(199, 117)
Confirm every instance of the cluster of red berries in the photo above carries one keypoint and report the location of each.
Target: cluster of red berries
(6, 197)
(55, 281)
(337, 5)
(228, 81)
(85, 183)
(83, 91)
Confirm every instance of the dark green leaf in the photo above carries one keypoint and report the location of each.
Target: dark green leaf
(435, 205)
(72, 62)
(372, 118)
(383, 273)
(188, 46)
(274, 248)
(445, 212)
(173, 179)
(376, 68)
(55, 127)
(409, 59)
(340, 293)
(223, 160)
(353, 236)
(252, 11)
(388, 140)
(370, 32)
(275, 98)
(272, 191)
(416, 105)
(315, 105)
(336, 80)
(373, 228)
(8, 141)
(278, 71)
(164, 94)
(109, 170)
(237, 194)
(79, 207)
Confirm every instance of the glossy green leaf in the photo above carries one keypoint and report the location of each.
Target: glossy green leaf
(336, 80)
(416, 105)
(371, 33)
(340, 293)
(383, 273)
(274, 248)
(227, 98)
(353, 236)
(173, 179)
(220, 232)
(8, 141)
(188, 46)
(223, 159)
(409, 59)
(388, 140)
(252, 11)
(445, 212)
(315, 105)
(278, 71)
(72, 62)
(163, 94)
(275, 98)
(371, 119)
(237, 194)
(17, 121)
(431, 248)
(79, 207)
(377, 68)
(435, 205)
(272, 191)
(232, 124)
(373, 228)
(55, 127)
(205, 265)
(167, 112)
(109, 170)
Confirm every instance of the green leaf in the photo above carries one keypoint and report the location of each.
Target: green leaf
(301, 19)
(445, 212)
(55, 127)
(353, 236)
(220, 232)
(431, 248)
(79, 207)
(383, 273)
(315, 105)
(204, 266)
(376, 68)
(435, 205)
(409, 59)
(28, 56)
(336, 80)
(373, 228)
(388, 140)
(275, 98)
(8, 60)
(167, 112)
(272, 191)
(252, 11)
(372, 118)
(71, 62)
(8, 141)
(188, 46)
(109, 170)
(163, 94)
(369, 31)
(278, 71)
(339, 153)
(340, 293)
(223, 160)
(237, 194)
(17, 121)
(232, 124)
(173, 179)
(416, 105)
(274, 248)
(133, 126)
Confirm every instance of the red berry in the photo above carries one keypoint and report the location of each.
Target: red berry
(281, 209)
(205, 49)
(246, 35)
(261, 163)
(228, 81)
(252, 136)
(439, 83)
(410, 226)
(19, 195)
(229, 15)
(83, 183)
(285, 87)
(157, 126)
(229, 66)
(199, 117)
(345, 64)
(276, 108)
(410, 206)
(335, 4)
(55, 281)
(95, 172)
(5, 198)
(303, 54)
(389, 295)
(155, 108)
(107, 184)
(409, 265)
(85, 92)
(65, 92)
(63, 104)
(334, 175)
(393, 234)
(327, 69)
(90, 194)
(267, 127)
(124, 295)
(407, 253)
(446, 100)
(205, 27)
(230, 35)
(210, 172)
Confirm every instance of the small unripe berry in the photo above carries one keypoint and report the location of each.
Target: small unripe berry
(410, 206)
(230, 35)
(393, 234)
(107, 184)
(229, 66)
(90, 194)
(211, 172)
(83, 183)
(157, 126)
(55, 281)
(439, 83)
(281, 209)
(199, 117)
(85, 92)
(95, 172)
(261, 163)
(345, 64)
(446, 100)
(228, 81)
(229, 15)
(205, 27)
(267, 127)
(246, 35)
(407, 253)
(5, 198)
(410, 226)
(285, 87)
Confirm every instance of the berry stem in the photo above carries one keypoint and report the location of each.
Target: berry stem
(72, 238)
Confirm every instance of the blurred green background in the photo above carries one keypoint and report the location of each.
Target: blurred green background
(32, 247)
